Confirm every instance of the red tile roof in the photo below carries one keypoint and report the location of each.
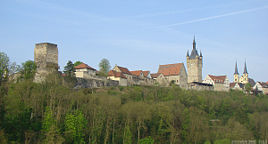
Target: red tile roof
(136, 73)
(170, 69)
(267, 82)
(116, 74)
(218, 79)
(84, 66)
(145, 73)
(232, 85)
(124, 70)
(155, 75)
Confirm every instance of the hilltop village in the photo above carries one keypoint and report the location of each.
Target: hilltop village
(46, 59)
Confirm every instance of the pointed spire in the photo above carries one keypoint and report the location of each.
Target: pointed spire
(194, 43)
(245, 68)
(194, 52)
(201, 54)
(236, 70)
(187, 53)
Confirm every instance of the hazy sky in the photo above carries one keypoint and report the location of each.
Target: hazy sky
(141, 34)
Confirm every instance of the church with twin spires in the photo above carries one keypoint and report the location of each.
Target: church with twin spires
(244, 78)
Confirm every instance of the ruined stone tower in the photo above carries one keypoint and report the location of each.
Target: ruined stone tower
(46, 60)
(194, 65)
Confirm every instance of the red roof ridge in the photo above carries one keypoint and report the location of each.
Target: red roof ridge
(145, 73)
(124, 70)
(219, 79)
(83, 65)
(136, 73)
(170, 69)
(155, 75)
(116, 74)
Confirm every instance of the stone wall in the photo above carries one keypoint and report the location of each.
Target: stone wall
(194, 68)
(46, 60)
(200, 86)
(183, 77)
(94, 83)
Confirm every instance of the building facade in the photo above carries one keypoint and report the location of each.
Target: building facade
(194, 65)
(220, 83)
(262, 87)
(244, 78)
(118, 76)
(84, 71)
(171, 73)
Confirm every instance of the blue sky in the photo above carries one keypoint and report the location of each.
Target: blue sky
(141, 34)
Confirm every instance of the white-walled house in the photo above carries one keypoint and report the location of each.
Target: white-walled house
(117, 76)
(84, 71)
(237, 86)
(262, 87)
(126, 73)
(220, 83)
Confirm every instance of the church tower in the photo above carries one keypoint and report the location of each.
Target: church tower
(244, 77)
(236, 74)
(194, 65)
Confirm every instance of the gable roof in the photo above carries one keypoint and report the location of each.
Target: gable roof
(170, 69)
(155, 75)
(232, 85)
(263, 84)
(145, 73)
(136, 73)
(116, 74)
(124, 70)
(218, 79)
(84, 66)
(251, 81)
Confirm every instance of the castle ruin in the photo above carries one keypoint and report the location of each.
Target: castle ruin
(46, 60)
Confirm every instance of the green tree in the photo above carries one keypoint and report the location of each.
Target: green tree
(75, 125)
(127, 138)
(4, 64)
(28, 69)
(147, 140)
(104, 66)
(248, 88)
(69, 69)
(77, 63)
(49, 128)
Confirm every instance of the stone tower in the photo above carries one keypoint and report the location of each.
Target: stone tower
(244, 77)
(46, 60)
(236, 74)
(194, 65)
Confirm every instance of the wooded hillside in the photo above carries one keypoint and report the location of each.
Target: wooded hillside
(53, 112)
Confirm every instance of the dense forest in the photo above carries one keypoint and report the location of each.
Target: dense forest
(54, 112)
